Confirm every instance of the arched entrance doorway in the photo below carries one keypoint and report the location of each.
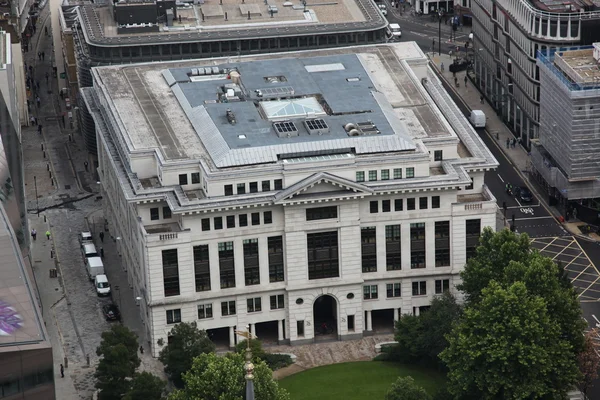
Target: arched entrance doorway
(325, 317)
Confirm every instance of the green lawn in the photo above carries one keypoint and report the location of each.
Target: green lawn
(356, 380)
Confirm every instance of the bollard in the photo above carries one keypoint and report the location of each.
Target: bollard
(70, 138)
(248, 11)
(50, 173)
(42, 146)
(87, 358)
(44, 217)
(66, 363)
(51, 253)
(48, 167)
(44, 154)
(52, 181)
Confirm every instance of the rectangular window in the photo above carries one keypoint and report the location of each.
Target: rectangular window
(398, 205)
(266, 186)
(438, 155)
(170, 272)
(228, 190)
(174, 316)
(202, 268)
(372, 175)
(227, 308)
(373, 207)
(368, 238)
(205, 311)
(393, 290)
(154, 214)
(230, 221)
(253, 187)
(166, 212)
(410, 203)
(419, 288)
(350, 323)
(300, 328)
(218, 222)
(442, 285)
(195, 177)
(370, 292)
(183, 180)
(360, 176)
(397, 173)
(206, 224)
(277, 302)
(323, 258)
(317, 213)
(278, 184)
(254, 305)
(473, 231)
(255, 217)
(422, 203)
(410, 172)
(386, 205)
(241, 188)
(268, 217)
(275, 248)
(243, 219)
(442, 243)
(417, 245)
(226, 265)
(435, 202)
(251, 270)
(393, 248)
(385, 174)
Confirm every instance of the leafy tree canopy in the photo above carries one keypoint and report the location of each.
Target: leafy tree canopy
(405, 388)
(145, 386)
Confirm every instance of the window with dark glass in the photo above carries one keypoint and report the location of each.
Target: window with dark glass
(218, 222)
(205, 311)
(266, 186)
(183, 179)
(393, 248)
(419, 288)
(442, 243)
(268, 217)
(410, 203)
(230, 221)
(317, 213)
(255, 217)
(228, 190)
(368, 238)
(435, 202)
(275, 248)
(278, 184)
(251, 271)
(360, 176)
(422, 203)
(417, 245)
(226, 265)
(323, 259)
(438, 155)
(228, 308)
(166, 212)
(386, 205)
(206, 224)
(393, 290)
(174, 316)
(254, 304)
(397, 173)
(202, 268)
(442, 285)
(473, 231)
(253, 187)
(385, 174)
(370, 292)
(154, 215)
(243, 219)
(398, 205)
(410, 172)
(241, 188)
(373, 207)
(372, 175)
(195, 177)
(277, 302)
(170, 272)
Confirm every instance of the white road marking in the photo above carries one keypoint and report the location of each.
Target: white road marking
(525, 219)
(500, 178)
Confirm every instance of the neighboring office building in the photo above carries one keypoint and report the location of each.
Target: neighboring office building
(462, 8)
(284, 191)
(507, 37)
(565, 159)
(432, 6)
(138, 31)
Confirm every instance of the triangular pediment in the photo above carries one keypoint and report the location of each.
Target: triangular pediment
(322, 185)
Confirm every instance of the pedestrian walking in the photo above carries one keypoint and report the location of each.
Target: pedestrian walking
(465, 80)
(48, 235)
(481, 100)
(47, 76)
(33, 234)
(46, 30)
(43, 55)
(142, 349)
(38, 101)
(102, 252)
(62, 371)
(39, 55)
(86, 165)
(32, 120)
(507, 143)
(102, 237)
(433, 45)
(40, 129)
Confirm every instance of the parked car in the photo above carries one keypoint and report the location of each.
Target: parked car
(111, 312)
(85, 238)
(101, 284)
(524, 194)
(383, 9)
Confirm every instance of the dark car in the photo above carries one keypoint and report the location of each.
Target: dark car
(111, 312)
(524, 194)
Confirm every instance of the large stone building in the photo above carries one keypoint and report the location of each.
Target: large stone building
(507, 37)
(285, 191)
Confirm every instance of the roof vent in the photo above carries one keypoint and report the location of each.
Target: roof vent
(354, 132)
(362, 128)
(230, 116)
(316, 126)
(349, 127)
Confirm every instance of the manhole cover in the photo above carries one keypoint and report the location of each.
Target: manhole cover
(67, 186)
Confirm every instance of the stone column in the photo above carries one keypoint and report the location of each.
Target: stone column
(280, 333)
(396, 315)
(369, 321)
(231, 336)
(251, 328)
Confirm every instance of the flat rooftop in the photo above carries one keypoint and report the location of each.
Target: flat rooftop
(579, 65)
(228, 20)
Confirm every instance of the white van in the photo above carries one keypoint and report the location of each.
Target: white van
(477, 118)
(88, 250)
(102, 285)
(395, 31)
(94, 267)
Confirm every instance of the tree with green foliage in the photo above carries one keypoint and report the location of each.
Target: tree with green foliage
(223, 378)
(118, 362)
(255, 345)
(589, 361)
(186, 343)
(405, 388)
(145, 386)
(422, 338)
(506, 346)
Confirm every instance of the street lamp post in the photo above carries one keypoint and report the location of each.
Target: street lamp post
(37, 201)
(248, 365)
(440, 13)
